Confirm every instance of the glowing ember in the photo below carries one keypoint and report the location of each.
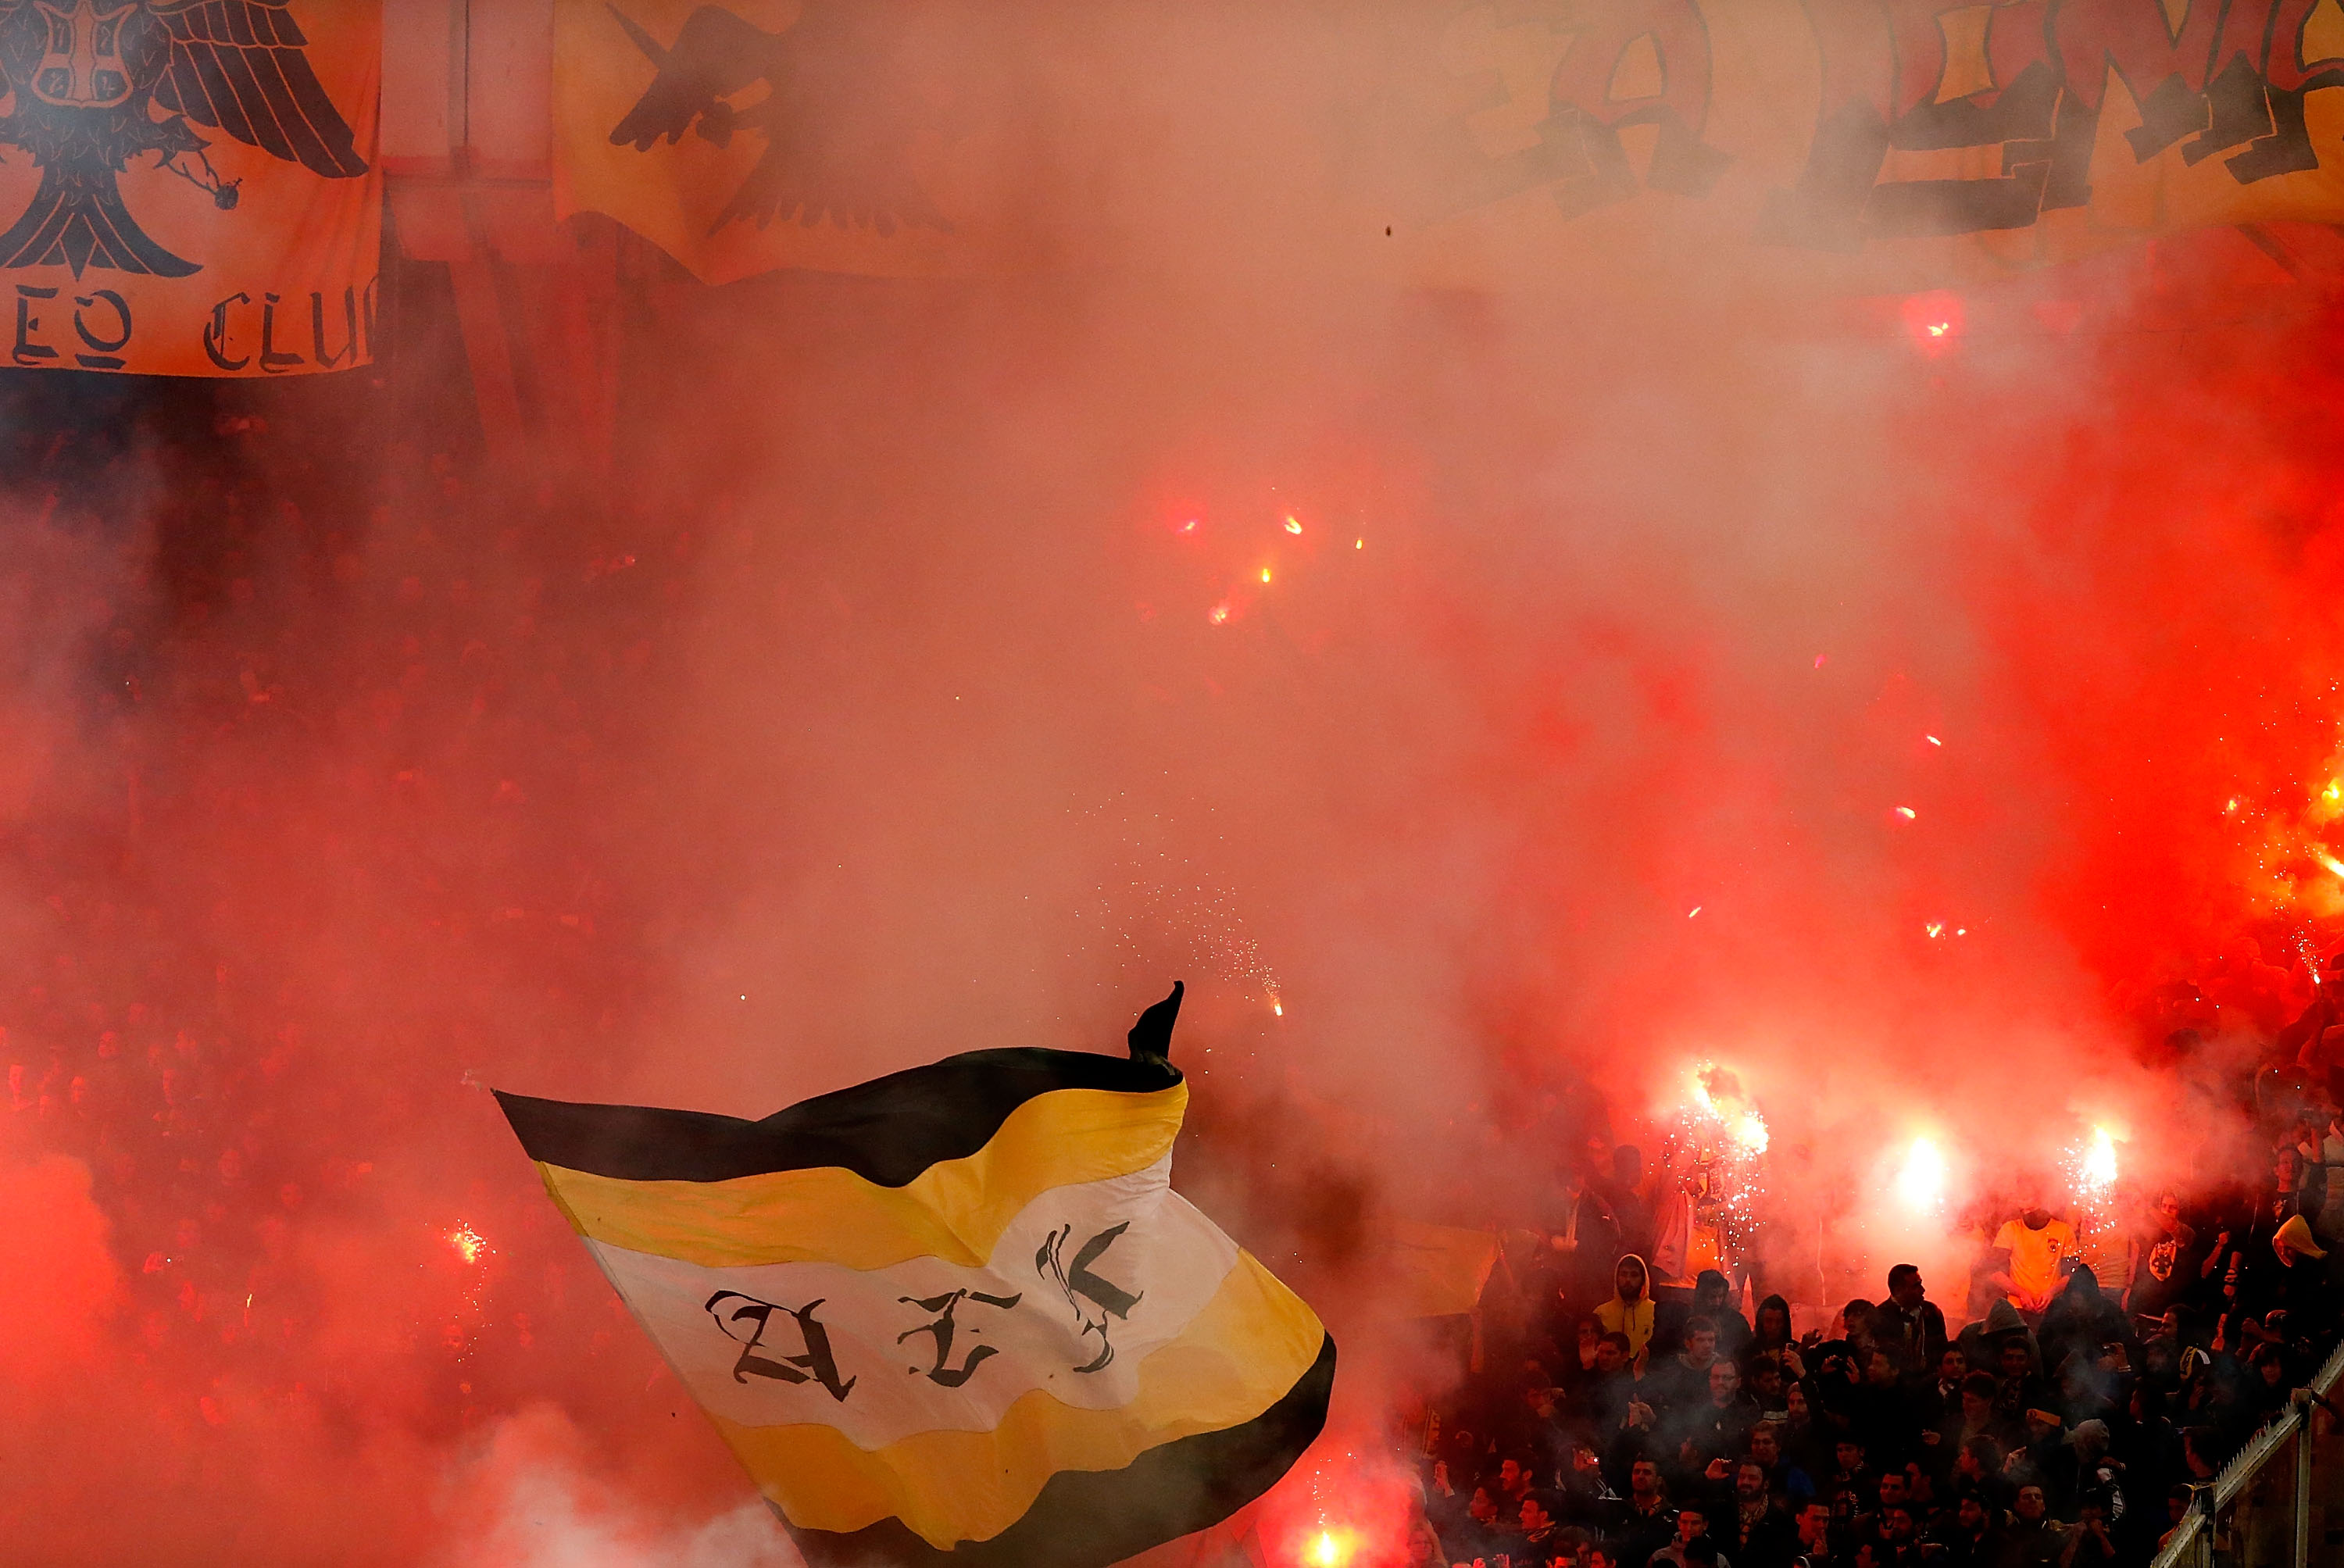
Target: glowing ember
(1219, 615)
(1265, 574)
(2278, 872)
(469, 1243)
(1907, 813)
(1358, 544)
(1934, 319)
(1189, 526)
(1920, 1184)
(1933, 740)
(1292, 526)
(1937, 928)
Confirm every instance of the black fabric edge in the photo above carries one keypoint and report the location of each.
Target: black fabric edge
(1088, 1518)
(886, 1131)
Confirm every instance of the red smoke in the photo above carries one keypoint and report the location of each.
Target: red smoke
(884, 712)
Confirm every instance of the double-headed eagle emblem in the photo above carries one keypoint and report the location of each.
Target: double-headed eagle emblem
(95, 84)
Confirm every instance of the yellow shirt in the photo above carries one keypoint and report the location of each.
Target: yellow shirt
(2035, 1256)
(1633, 1318)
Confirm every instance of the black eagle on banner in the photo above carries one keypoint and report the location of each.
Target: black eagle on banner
(96, 84)
(836, 139)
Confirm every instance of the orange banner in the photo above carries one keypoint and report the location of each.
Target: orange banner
(191, 188)
(1854, 145)
(761, 134)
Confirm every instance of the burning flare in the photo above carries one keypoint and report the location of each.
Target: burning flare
(1740, 1118)
(2098, 1168)
(1922, 1182)
(1329, 1551)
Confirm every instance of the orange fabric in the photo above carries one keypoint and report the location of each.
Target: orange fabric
(2035, 1255)
(278, 279)
(1610, 144)
(842, 108)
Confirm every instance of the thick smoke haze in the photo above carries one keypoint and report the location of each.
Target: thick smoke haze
(937, 669)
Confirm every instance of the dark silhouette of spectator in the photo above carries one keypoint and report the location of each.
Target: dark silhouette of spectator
(1908, 1320)
(1770, 1334)
(1711, 1300)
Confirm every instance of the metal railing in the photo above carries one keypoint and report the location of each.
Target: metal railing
(2256, 1512)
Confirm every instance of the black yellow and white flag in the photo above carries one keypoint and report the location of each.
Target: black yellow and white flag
(955, 1315)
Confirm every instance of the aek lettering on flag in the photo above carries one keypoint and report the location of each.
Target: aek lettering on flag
(956, 1315)
(189, 186)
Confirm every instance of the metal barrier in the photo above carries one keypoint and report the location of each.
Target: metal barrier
(2258, 1511)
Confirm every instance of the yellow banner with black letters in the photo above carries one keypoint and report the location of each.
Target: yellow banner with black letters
(955, 1317)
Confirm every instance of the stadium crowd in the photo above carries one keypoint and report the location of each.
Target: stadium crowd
(2091, 1378)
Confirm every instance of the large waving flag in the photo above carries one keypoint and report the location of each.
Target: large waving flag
(956, 1315)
